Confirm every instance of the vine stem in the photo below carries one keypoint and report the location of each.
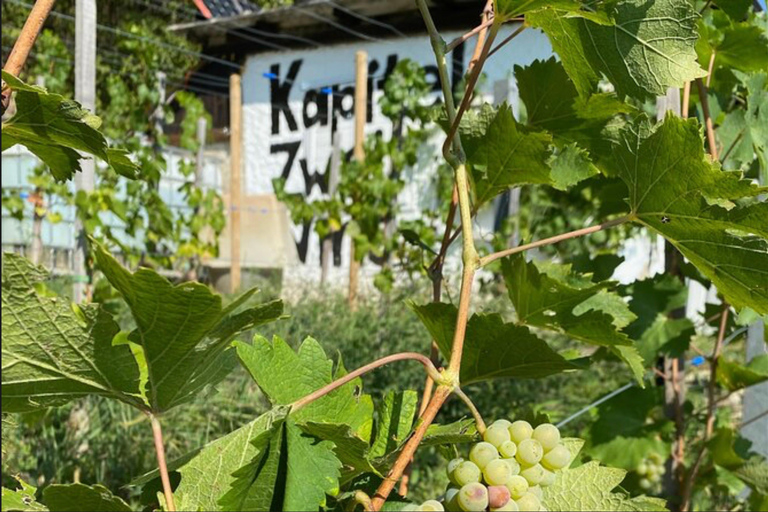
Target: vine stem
(711, 141)
(554, 239)
(402, 356)
(711, 406)
(25, 41)
(157, 434)
(508, 39)
(475, 413)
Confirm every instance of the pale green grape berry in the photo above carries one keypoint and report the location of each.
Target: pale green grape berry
(645, 483)
(496, 435)
(529, 452)
(642, 468)
(558, 458)
(549, 478)
(510, 505)
(548, 435)
(514, 465)
(502, 422)
(536, 490)
(466, 473)
(473, 497)
(517, 486)
(520, 430)
(508, 448)
(451, 499)
(411, 507)
(483, 453)
(534, 474)
(432, 506)
(497, 472)
(452, 465)
(655, 478)
(498, 496)
(528, 502)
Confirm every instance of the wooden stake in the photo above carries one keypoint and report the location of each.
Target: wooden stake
(361, 96)
(235, 147)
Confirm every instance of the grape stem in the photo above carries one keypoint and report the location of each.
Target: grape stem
(23, 45)
(554, 239)
(475, 413)
(711, 406)
(360, 498)
(402, 356)
(157, 434)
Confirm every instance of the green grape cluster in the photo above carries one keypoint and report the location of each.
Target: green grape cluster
(650, 471)
(505, 471)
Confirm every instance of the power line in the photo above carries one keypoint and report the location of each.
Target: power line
(334, 24)
(363, 17)
(156, 42)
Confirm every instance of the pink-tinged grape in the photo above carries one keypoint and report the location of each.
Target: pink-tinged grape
(508, 449)
(549, 478)
(432, 506)
(558, 458)
(496, 435)
(483, 453)
(514, 465)
(529, 452)
(536, 491)
(467, 473)
(519, 431)
(497, 472)
(508, 506)
(451, 499)
(528, 502)
(517, 486)
(534, 474)
(452, 465)
(498, 495)
(473, 497)
(548, 435)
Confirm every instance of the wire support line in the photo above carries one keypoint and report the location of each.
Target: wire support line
(333, 24)
(595, 404)
(149, 40)
(363, 17)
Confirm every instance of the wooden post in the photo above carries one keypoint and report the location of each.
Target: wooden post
(361, 95)
(85, 94)
(235, 148)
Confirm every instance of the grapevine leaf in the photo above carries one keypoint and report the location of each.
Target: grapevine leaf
(183, 330)
(285, 376)
(506, 9)
(648, 49)
(628, 452)
(744, 132)
(730, 451)
(570, 166)
(589, 486)
(571, 304)
(21, 499)
(736, 9)
(82, 498)
(351, 450)
(55, 129)
(678, 192)
(396, 413)
(291, 471)
(735, 376)
(502, 153)
(492, 349)
(53, 351)
(624, 415)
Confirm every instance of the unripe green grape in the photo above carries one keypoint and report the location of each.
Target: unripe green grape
(548, 435)
(528, 502)
(508, 448)
(452, 465)
(496, 435)
(645, 483)
(513, 464)
(520, 430)
(451, 499)
(529, 452)
(642, 468)
(549, 478)
(483, 453)
(473, 497)
(498, 496)
(497, 472)
(655, 478)
(537, 491)
(508, 506)
(432, 506)
(411, 507)
(534, 474)
(466, 473)
(558, 458)
(502, 422)
(517, 486)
